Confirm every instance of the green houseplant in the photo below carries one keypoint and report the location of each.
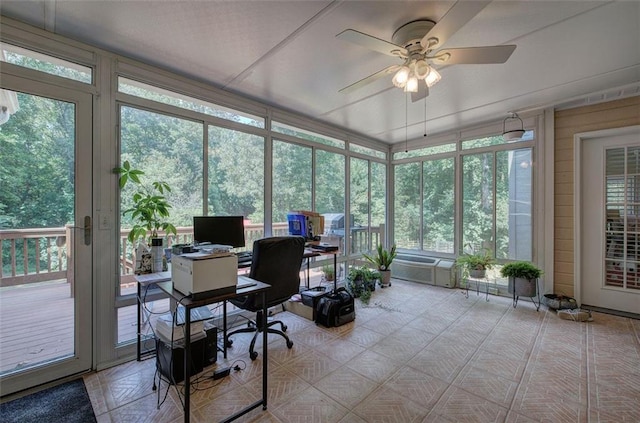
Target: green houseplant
(523, 277)
(150, 210)
(382, 260)
(327, 271)
(150, 214)
(476, 264)
(361, 281)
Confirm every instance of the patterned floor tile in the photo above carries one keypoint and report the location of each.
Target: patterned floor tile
(310, 405)
(390, 407)
(486, 385)
(464, 407)
(374, 366)
(416, 353)
(313, 366)
(417, 386)
(346, 386)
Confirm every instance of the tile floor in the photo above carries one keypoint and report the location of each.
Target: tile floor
(416, 354)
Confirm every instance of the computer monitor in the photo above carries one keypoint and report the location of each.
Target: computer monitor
(224, 230)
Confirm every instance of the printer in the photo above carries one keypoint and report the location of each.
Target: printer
(202, 275)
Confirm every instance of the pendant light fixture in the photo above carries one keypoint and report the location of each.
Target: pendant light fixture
(512, 134)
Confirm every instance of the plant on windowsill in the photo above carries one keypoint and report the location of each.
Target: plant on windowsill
(361, 281)
(150, 210)
(522, 278)
(382, 260)
(475, 264)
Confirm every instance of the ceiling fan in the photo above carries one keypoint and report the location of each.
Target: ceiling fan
(417, 44)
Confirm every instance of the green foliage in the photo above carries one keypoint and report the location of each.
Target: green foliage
(481, 260)
(383, 259)
(328, 271)
(361, 281)
(151, 209)
(521, 269)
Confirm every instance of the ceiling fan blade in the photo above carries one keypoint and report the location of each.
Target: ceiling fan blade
(423, 91)
(369, 79)
(459, 14)
(372, 43)
(474, 55)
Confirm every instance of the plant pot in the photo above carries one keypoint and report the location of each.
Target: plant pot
(523, 287)
(478, 273)
(385, 278)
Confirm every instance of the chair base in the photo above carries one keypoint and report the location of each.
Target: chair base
(256, 327)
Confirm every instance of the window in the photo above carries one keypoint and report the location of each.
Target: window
(438, 205)
(306, 135)
(368, 151)
(236, 179)
(160, 145)
(291, 180)
(426, 151)
(45, 63)
(497, 203)
(150, 92)
(407, 205)
(495, 198)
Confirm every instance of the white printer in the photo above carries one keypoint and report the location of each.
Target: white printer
(202, 274)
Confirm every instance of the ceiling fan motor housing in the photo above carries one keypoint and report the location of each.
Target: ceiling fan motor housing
(410, 34)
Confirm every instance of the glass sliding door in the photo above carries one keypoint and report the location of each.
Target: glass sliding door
(45, 233)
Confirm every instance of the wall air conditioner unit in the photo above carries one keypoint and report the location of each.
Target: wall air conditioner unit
(419, 268)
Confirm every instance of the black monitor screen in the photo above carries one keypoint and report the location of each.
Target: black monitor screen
(225, 230)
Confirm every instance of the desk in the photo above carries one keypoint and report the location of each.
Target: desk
(144, 281)
(311, 252)
(188, 304)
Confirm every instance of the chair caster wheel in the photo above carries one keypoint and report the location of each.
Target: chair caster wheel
(229, 343)
(284, 328)
(289, 344)
(253, 355)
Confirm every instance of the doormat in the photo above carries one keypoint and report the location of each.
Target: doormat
(67, 403)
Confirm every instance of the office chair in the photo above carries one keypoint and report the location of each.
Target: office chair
(275, 261)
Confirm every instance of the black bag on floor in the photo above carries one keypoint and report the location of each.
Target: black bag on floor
(335, 308)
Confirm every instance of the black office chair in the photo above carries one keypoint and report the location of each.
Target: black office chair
(275, 261)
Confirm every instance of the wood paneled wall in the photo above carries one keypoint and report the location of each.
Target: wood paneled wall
(567, 123)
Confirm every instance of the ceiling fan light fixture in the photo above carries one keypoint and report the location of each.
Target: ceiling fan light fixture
(412, 85)
(432, 78)
(401, 77)
(513, 134)
(422, 69)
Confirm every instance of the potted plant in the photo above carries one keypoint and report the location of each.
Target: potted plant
(150, 210)
(476, 264)
(523, 278)
(328, 273)
(382, 260)
(361, 281)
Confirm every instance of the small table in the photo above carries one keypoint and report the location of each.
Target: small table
(188, 304)
(144, 281)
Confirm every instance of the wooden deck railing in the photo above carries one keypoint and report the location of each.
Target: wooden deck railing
(45, 254)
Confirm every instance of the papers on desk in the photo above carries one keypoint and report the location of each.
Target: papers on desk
(169, 332)
(148, 278)
(201, 255)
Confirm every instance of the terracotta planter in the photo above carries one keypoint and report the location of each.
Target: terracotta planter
(385, 278)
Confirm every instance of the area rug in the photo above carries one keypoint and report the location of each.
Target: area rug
(67, 403)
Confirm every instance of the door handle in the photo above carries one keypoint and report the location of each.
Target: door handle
(87, 230)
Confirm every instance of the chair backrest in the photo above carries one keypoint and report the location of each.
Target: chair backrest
(277, 261)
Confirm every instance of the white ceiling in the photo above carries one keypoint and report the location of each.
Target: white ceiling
(286, 53)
